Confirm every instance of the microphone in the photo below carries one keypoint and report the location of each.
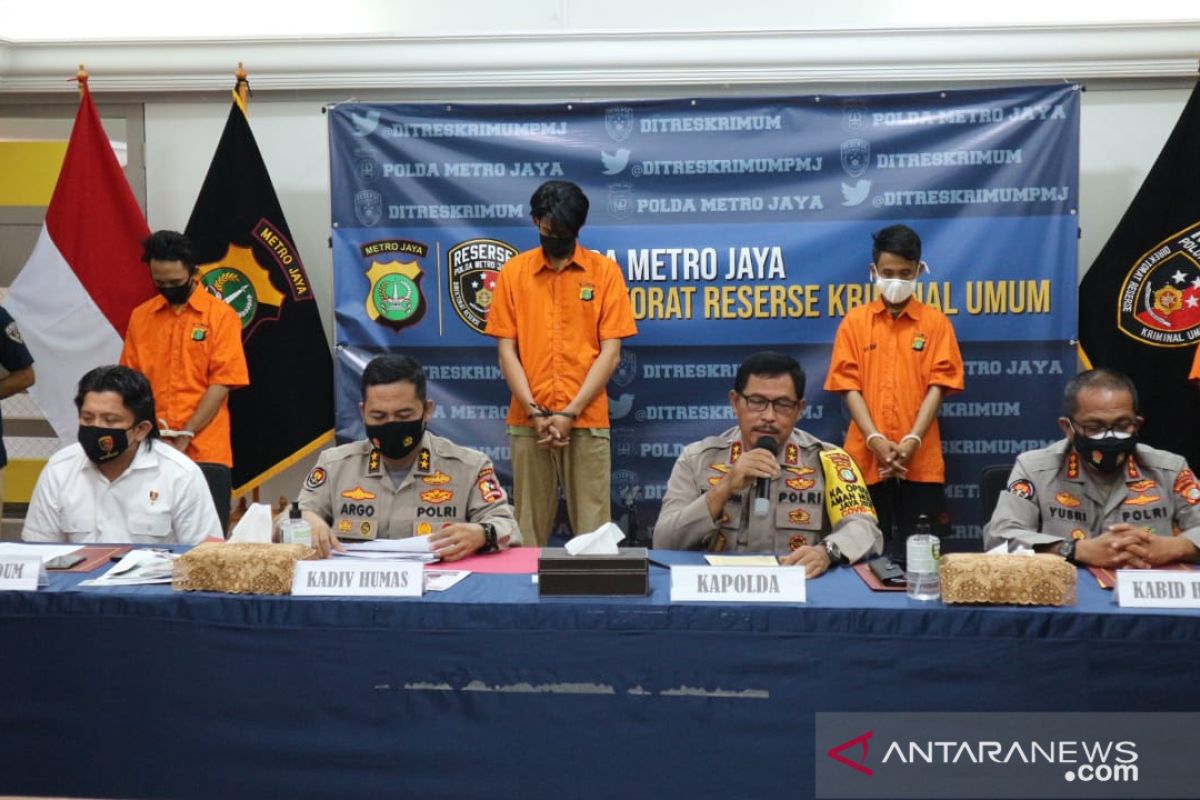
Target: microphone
(762, 486)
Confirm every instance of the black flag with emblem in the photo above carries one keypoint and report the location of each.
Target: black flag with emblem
(248, 258)
(1139, 304)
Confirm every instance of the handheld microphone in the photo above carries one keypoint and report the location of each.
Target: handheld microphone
(762, 486)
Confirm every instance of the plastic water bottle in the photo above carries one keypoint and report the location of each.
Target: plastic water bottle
(295, 530)
(921, 571)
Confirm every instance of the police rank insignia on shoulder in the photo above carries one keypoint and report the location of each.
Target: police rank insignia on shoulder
(315, 479)
(423, 460)
(373, 460)
(1023, 488)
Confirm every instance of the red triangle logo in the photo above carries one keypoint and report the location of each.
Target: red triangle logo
(858, 741)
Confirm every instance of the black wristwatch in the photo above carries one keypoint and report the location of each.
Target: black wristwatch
(835, 553)
(490, 544)
(1067, 550)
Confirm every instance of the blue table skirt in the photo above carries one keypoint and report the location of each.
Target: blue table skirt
(488, 691)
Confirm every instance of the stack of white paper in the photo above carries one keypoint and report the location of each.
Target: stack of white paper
(138, 567)
(415, 548)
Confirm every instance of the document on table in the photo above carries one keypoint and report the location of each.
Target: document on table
(439, 580)
(414, 548)
(741, 561)
(138, 568)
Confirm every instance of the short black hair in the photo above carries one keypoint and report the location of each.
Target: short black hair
(1102, 378)
(769, 364)
(899, 240)
(133, 387)
(561, 202)
(169, 246)
(393, 368)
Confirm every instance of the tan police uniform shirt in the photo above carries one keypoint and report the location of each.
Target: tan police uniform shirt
(351, 489)
(820, 494)
(1051, 497)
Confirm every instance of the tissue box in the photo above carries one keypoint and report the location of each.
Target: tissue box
(239, 568)
(1037, 580)
(626, 573)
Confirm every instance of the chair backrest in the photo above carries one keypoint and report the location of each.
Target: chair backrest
(992, 481)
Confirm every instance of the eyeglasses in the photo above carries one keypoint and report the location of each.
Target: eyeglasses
(782, 405)
(1095, 430)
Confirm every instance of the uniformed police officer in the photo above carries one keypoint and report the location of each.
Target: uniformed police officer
(404, 481)
(1098, 497)
(817, 509)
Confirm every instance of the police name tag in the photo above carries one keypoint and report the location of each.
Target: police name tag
(21, 573)
(738, 584)
(1139, 588)
(346, 577)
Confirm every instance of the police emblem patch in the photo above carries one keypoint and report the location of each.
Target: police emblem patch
(367, 528)
(437, 496)
(473, 267)
(422, 528)
(438, 478)
(358, 493)
(618, 122)
(13, 333)
(368, 207)
(344, 526)
(799, 516)
(1023, 488)
(243, 284)
(315, 479)
(1142, 499)
(395, 299)
(856, 157)
(1143, 486)
(1185, 487)
(489, 489)
(620, 199)
(626, 371)
(1159, 302)
(801, 484)
(1078, 533)
(796, 542)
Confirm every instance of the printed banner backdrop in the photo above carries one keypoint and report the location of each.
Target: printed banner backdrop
(740, 225)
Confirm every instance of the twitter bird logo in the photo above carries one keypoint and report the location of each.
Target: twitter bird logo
(614, 163)
(854, 195)
(365, 125)
(621, 406)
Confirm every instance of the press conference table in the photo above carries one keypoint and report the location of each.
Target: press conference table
(486, 690)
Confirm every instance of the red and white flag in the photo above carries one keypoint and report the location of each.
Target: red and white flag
(73, 297)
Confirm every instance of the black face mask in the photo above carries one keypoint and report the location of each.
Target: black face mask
(1106, 454)
(176, 295)
(396, 439)
(103, 444)
(558, 246)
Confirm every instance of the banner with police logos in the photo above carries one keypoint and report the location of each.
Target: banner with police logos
(740, 224)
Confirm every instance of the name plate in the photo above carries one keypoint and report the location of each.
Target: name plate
(20, 573)
(1142, 588)
(738, 584)
(347, 577)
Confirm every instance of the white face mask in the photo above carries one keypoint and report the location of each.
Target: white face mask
(895, 290)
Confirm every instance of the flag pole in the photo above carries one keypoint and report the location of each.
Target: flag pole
(241, 89)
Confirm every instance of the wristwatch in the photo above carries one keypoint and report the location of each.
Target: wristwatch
(1067, 550)
(835, 553)
(489, 539)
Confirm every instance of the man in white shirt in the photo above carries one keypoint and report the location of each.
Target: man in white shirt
(119, 483)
